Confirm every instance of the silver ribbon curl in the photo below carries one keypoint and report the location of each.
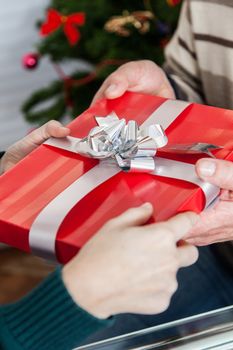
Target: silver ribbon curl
(132, 147)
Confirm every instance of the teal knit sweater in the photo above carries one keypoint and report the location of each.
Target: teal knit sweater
(46, 319)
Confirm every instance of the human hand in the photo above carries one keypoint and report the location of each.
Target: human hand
(23, 147)
(138, 76)
(127, 267)
(216, 223)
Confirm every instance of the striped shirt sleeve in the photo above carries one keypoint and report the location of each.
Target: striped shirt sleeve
(181, 63)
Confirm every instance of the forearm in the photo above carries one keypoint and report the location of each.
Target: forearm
(46, 318)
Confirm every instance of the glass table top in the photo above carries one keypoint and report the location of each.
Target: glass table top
(211, 330)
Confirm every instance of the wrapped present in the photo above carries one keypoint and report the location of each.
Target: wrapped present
(56, 198)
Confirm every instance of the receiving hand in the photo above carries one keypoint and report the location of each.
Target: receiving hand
(137, 76)
(23, 147)
(130, 267)
(215, 224)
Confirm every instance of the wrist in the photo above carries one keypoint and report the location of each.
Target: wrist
(83, 292)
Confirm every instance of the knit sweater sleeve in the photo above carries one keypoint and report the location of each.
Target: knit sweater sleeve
(46, 319)
(181, 63)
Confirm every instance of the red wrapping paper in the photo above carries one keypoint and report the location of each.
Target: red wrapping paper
(27, 188)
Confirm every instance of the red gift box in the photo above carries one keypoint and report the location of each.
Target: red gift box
(38, 179)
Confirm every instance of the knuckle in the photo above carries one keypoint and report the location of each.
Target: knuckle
(174, 266)
(171, 265)
(164, 303)
(172, 287)
(48, 127)
(147, 308)
(139, 68)
(192, 254)
(188, 256)
(172, 269)
(114, 77)
(152, 308)
(51, 123)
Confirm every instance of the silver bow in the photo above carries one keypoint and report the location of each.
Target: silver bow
(132, 147)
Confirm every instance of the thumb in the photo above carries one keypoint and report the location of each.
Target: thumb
(135, 216)
(36, 137)
(217, 172)
(126, 77)
(142, 76)
(114, 86)
(51, 129)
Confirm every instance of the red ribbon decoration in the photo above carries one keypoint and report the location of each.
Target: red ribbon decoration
(55, 20)
(173, 2)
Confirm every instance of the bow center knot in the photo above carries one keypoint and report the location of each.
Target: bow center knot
(64, 19)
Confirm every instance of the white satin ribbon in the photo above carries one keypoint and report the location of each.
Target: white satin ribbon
(43, 232)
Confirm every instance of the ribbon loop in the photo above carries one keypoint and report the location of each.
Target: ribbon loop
(55, 20)
(131, 146)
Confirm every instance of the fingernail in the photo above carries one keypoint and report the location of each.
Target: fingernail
(207, 167)
(111, 89)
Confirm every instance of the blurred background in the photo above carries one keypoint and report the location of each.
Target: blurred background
(18, 35)
(56, 75)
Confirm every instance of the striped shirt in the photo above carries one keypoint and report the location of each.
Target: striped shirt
(199, 63)
(199, 58)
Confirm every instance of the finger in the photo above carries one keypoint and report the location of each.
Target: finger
(127, 77)
(115, 86)
(135, 216)
(187, 255)
(54, 129)
(138, 77)
(51, 129)
(166, 91)
(181, 224)
(216, 171)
